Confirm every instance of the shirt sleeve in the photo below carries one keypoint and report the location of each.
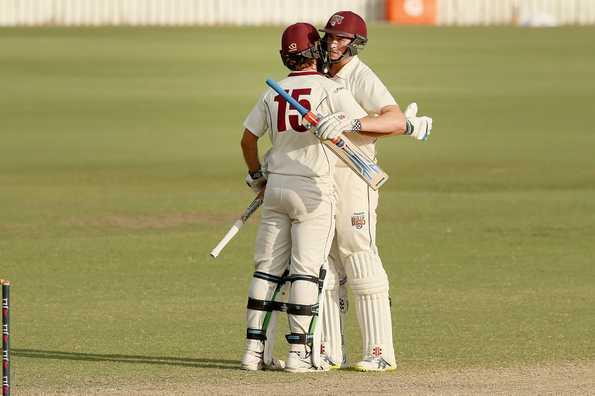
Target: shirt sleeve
(257, 120)
(371, 93)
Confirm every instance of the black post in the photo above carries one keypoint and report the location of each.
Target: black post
(5, 338)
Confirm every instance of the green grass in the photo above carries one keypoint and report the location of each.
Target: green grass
(120, 169)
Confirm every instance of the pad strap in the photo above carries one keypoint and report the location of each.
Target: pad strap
(265, 305)
(256, 334)
(299, 277)
(268, 306)
(271, 278)
(301, 309)
(297, 338)
(309, 278)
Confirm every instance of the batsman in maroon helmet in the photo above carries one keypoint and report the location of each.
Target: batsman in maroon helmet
(354, 258)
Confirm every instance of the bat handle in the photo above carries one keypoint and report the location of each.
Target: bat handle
(230, 234)
(301, 109)
(311, 118)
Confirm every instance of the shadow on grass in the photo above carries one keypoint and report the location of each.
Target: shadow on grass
(138, 359)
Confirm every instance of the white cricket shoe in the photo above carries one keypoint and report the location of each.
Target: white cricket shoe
(301, 362)
(372, 363)
(253, 361)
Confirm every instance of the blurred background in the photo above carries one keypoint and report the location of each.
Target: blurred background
(270, 12)
(120, 169)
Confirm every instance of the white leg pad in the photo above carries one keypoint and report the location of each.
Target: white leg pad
(272, 326)
(303, 293)
(263, 290)
(332, 319)
(369, 284)
(307, 293)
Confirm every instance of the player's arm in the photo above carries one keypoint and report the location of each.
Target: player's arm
(417, 127)
(387, 119)
(255, 126)
(348, 115)
(374, 98)
(390, 121)
(255, 179)
(249, 145)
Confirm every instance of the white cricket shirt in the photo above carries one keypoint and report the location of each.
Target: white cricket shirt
(295, 150)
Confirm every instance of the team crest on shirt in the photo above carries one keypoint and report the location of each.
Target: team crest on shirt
(336, 20)
(358, 220)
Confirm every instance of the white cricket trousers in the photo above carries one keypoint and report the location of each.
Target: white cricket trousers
(296, 231)
(354, 258)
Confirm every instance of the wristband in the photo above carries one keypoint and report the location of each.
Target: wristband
(257, 174)
(408, 128)
(356, 126)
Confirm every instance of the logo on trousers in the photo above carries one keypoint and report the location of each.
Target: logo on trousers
(377, 351)
(358, 220)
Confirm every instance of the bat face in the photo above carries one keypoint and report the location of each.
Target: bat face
(364, 167)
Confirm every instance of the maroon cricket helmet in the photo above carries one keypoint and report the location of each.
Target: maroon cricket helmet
(300, 41)
(299, 38)
(346, 24)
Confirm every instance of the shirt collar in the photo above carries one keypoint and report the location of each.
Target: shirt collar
(348, 67)
(303, 73)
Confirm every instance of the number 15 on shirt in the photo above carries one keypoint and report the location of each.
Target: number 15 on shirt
(348, 152)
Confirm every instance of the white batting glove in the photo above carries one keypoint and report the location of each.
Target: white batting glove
(417, 127)
(332, 125)
(256, 181)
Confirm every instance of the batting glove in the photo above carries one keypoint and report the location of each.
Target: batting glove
(256, 181)
(417, 127)
(332, 125)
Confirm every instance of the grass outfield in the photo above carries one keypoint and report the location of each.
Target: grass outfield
(120, 169)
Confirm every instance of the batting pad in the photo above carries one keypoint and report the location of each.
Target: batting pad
(264, 320)
(304, 309)
(332, 319)
(369, 284)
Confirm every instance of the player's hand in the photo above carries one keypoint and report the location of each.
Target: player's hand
(332, 125)
(256, 181)
(417, 127)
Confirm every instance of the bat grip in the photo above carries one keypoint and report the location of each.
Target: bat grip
(252, 208)
(230, 234)
(301, 109)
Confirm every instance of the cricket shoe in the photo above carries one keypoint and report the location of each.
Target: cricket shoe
(253, 361)
(301, 362)
(332, 364)
(372, 363)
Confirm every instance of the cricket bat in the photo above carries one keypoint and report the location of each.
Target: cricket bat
(344, 148)
(237, 225)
